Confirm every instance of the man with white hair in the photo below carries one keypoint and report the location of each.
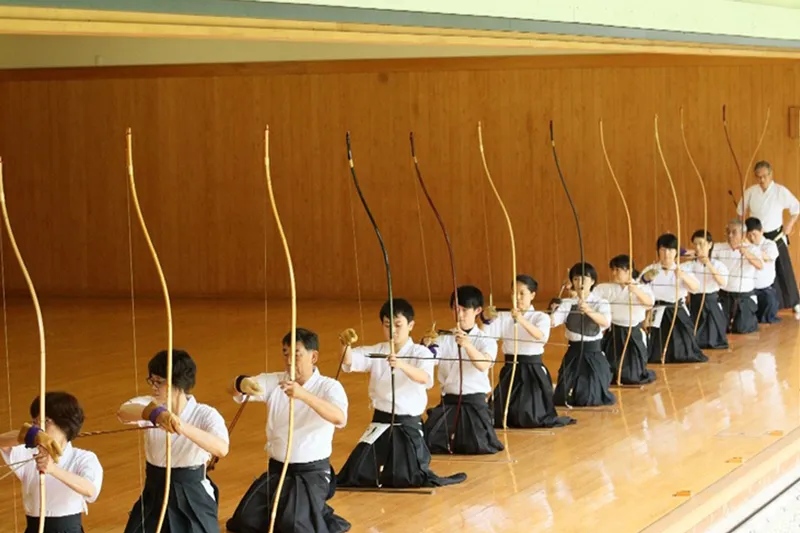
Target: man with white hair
(766, 201)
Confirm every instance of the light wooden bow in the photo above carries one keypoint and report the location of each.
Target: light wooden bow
(630, 252)
(513, 274)
(42, 350)
(165, 292)
(705, 220)
(293, 340)
(678, 255)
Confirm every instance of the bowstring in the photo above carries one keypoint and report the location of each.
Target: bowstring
(140, 437)
(493, 368)
(8, 367)
(355, 253)
(424, 253)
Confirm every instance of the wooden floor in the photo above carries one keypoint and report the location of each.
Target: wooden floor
(613, 471)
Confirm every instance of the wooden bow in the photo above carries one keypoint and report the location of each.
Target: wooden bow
(630, 252)
(165, 292)
(388, 284)
(292, 342)
(705, 220)
(42, 350)
(742, 172)
(513, 273)
(571, 388)
(455, 288)
(678, 255)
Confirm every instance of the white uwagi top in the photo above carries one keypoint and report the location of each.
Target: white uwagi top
(474, 380)
(502, 327)
(61, 500)
(410, 397)
(596, 303)
(185, 453)
(768, 206)
(663, 284)
(620, 299)
(313, 435)
(742, 273)
(699, 270)
(768, 249)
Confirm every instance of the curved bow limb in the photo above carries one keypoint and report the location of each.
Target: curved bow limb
(388, 283)
(513, 272)
(451, 256)
(42, 349)
(705, 218)
(292, 342)
(168, 306)
(678, 255)
(571, 389)
(630, 252)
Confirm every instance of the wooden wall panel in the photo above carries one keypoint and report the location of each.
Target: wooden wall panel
(199, 167)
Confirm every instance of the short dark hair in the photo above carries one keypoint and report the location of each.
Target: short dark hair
(668, 241)
(703, 234)
(184, 371)
(753, 224)
(469, 297)
(763, 164)
(583, 269)
(623, 262)
(63, 409)
(309, 339)
(528, 281)
(401, 308)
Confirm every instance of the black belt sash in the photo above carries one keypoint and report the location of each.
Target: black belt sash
(156, 475)
(56, 523)
(535, 359)
(478, 399)
(382, 417)
(589, 346)
(772, 234)
(321, 466)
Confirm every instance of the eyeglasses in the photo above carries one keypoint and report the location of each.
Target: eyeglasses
(156, 382)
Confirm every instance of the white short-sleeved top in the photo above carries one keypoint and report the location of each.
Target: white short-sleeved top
(313, 435)
(663, 284)
(61, 500)
(768, 206)
(768, 252)
(474, 380)
(708, 283)
(596, 303)
(503, 327)
(624, 304)
(185, 453)
(411, 397)
(742, 273)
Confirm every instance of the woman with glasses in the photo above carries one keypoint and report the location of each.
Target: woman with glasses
(197, 431)
(73, 476)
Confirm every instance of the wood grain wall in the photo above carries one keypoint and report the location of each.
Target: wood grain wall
(198, 137)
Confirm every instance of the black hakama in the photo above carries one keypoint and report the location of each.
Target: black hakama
(399, 458)
(682, 346)
(712, 329)
(584, 376)
(55, 524)
(474, 433)
(767, 305)
(740, 309)
(785, 283)
(190, 508)
(302, 507)
(634, 365)
(531, 396)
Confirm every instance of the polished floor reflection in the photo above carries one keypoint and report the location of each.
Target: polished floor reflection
(616, 470)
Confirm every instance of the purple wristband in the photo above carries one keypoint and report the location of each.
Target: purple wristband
(30, 436)
(156, 413)
(434, 348)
